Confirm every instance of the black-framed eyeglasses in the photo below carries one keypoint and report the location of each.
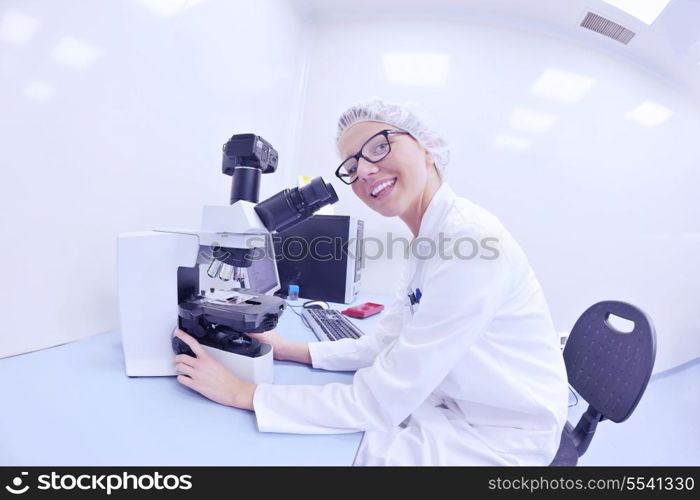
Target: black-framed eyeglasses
(375, 149)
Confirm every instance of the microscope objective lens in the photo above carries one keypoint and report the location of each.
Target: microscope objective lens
(214, 268)
(226, 272)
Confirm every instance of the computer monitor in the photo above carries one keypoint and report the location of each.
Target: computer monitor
(262, 274)
(323, 255)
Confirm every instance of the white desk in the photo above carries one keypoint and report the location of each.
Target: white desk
(74, 405)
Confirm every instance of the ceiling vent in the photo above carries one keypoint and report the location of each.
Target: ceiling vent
(606, 27)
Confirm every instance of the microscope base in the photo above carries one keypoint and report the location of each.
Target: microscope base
(257, 370)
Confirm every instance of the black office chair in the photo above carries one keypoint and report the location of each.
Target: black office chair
(608, 368)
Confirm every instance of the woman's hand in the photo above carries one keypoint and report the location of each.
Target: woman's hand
(284, 349)
(278, 342)
(209, 377)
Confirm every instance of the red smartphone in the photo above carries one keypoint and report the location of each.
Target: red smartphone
(363, 310)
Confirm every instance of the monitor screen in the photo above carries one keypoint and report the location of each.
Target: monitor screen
(262, 274)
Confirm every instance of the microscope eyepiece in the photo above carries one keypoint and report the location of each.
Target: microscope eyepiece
(291, 206)
(246, 158)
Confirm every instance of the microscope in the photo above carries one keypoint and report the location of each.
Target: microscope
(216, 283)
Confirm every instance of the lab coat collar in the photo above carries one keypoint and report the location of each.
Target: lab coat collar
(436, 212)
(423, 246)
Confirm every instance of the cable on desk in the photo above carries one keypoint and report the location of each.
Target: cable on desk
(574, 393)
(303, 319)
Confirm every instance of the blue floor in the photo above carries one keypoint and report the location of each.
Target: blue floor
(663, 430)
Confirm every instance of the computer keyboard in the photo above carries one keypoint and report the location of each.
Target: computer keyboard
(329, 324)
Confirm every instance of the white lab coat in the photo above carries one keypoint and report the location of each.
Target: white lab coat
(471, 375)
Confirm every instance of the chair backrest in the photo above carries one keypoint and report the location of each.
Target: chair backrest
(610, 369)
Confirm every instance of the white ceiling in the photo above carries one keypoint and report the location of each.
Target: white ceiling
(669, 48)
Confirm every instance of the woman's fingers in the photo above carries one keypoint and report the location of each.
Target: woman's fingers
(269, 336)
(185, 359)
(184, 369)
(209, 377)
(186, 381)
(196, 347)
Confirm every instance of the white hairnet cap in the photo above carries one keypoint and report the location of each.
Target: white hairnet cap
(401, 117)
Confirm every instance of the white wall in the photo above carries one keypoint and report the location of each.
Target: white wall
(604, 207)
(131, 141)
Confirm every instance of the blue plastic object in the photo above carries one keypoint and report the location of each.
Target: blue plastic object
(608, 368)
(293, 292)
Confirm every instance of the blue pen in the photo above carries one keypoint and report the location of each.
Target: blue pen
(414, 297)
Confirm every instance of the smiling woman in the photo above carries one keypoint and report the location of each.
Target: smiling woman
(465, 368)
(401, 182)
(401, 156)
(375, 149)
